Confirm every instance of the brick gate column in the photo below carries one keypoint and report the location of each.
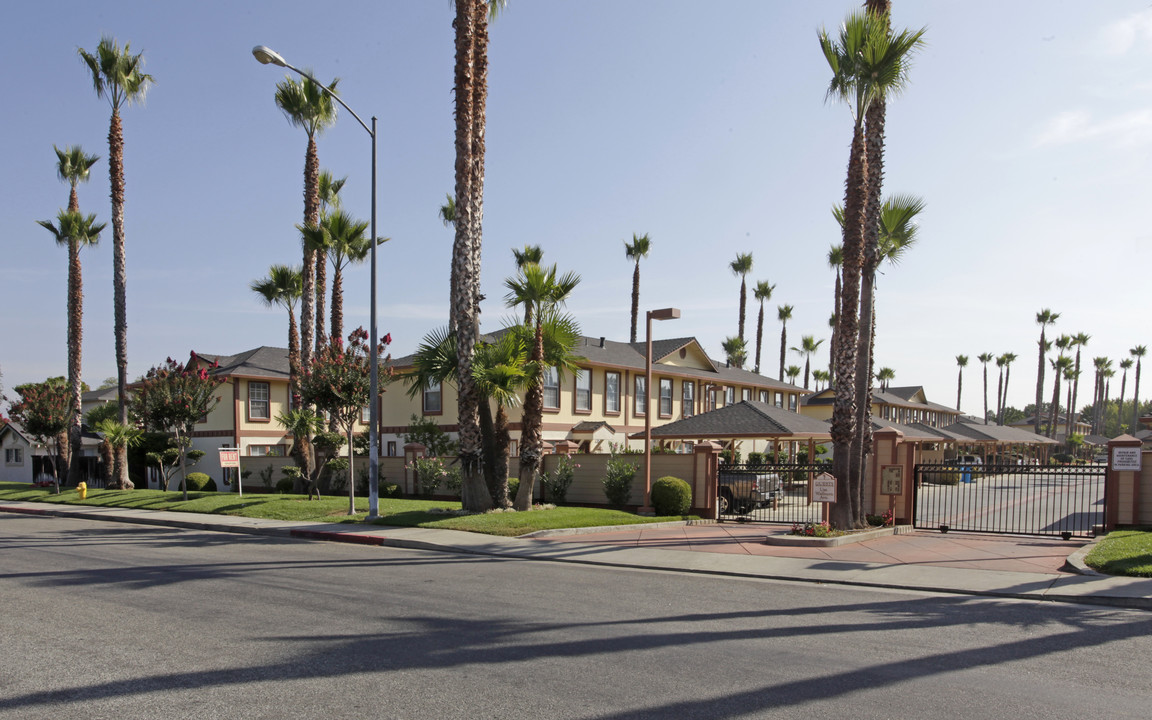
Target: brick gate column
(1121, 488)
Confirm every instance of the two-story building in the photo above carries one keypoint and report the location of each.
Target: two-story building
(902, 405)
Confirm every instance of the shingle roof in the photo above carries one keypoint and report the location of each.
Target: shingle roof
(591, 426)
(264, 361)
(747, 418)
(997, 433)
(914, 431)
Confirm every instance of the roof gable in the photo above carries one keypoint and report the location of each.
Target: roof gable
(680, 352)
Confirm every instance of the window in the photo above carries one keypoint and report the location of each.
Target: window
(792, 402)
(612, 392)
(710, 398)
(14, 456)
(433, 404)
(366, 414)
(265, 451)
(779, 402)
(513, 448)
(746, 394)
(641, 398)
(665, 397)
(259, 406)
(688, 401)
(764, 396)
(391, 448)
(729, 395)
(551, 388)
(583, 391)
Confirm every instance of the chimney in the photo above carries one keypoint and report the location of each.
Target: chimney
(601, 341)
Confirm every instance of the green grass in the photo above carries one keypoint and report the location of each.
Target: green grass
(1123, 552)
(393, 511)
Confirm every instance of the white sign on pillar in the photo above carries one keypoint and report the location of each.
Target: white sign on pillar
(1126, 459)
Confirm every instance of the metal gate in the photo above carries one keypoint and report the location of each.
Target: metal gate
(773, 493)
(1063, 500)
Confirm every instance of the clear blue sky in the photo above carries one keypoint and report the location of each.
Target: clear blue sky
(1026, 128)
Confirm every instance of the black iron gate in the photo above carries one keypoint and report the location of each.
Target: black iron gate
(772, 493)
(1063, 500)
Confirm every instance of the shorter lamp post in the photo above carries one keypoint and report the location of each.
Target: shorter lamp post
(662, 314)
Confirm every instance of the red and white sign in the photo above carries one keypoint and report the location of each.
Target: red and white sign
(230, 458)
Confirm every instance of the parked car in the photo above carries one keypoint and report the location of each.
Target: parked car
(968, 460)
(1100, 459)
(742, 491)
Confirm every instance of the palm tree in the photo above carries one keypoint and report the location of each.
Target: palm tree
(306, 105)
(119, 437)
(783, 314)
(1137, 352)
(1062, 343)
(868, 62)
(735, 351)
(634, 251)
(1009, 358)
(1079, 340)
(808, 347)
(545, 292)
(762, 292)
(530, 254)
(1044, 318)
(999, 386)
(343, 240)
(119, 76)
(73, 166)
(329, 194)
(1125, 364)
(792, 371)
(984, 358)
(1107, 380)
(884, 375)
(501, 373)
(1100, 364)
(283, 286)
(740, 267)
(303, 423)
(821, 378)
(962, 362)
(74, 230)
(835, 261)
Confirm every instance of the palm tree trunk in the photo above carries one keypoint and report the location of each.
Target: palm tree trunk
(1135, 426)
(635, 300)
(1054, 410)
(503, 441)
(321, 291)
(1004, 405)
(759, 336)
(74, 462)
(308, 270)
(1072, 412)
(1039, 384)
(119, 287)
(531, 439)
(293, 360)
(835, 334)
(783, 346)
(985, 393)
(337, 303)
(743, 305)
(959, 386)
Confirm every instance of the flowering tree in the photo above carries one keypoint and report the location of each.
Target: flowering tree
(172, 398)
(44, 411)
(337, 383)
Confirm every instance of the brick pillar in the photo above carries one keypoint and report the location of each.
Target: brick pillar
(706, 479)
(1121, 488)
(887, 446)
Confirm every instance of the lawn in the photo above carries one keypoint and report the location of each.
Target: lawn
(393, 511)
(1123, 552)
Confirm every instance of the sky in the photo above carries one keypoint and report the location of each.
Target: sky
(1026, 128)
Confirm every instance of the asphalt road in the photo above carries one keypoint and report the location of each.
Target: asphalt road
(103, 620)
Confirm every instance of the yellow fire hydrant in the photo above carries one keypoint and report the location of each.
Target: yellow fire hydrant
(82, 488)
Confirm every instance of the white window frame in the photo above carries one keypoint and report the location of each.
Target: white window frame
(254, 401)
(583, 390)
(611, 394)
(433, 402)
(665, 383)
(640, 396)
(688, 398)
(550, 383)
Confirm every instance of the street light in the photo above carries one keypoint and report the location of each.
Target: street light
(266, 55)
(662, 314)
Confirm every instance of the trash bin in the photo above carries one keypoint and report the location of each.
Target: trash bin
(82, 488)
(966, 475)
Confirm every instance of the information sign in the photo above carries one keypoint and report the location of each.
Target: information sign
(1126, 458)
(892, 480)
(824, 488)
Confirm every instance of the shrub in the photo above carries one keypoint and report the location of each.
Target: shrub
(618, 481)
(943, 477)
(755, 458)
(453, 480)
(199, 482)
(556, 483)
(820, 530)
(430, 473)
(284, 485)
(391, 490)
(729, 456)
(671, 496)
(513, 486)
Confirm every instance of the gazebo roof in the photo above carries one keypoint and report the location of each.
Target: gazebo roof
(748, 418)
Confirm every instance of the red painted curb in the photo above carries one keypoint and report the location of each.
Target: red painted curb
(25, 511)
(338, 537)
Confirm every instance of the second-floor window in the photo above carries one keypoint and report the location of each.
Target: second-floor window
(792, 402)
(433, 399)
(259, 404)
(641, 404)
(612, 392)
(764, 396)
(746, 394)
(729, 395)
(688, 403)
(551, 388)
(584, 390)
(779, 401)
(666, 397)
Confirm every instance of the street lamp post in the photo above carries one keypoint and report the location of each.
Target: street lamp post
(662, 314)
(266, 55)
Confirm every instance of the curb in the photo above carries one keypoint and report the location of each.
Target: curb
(1076, 561)
(354, 538)
(560, 532)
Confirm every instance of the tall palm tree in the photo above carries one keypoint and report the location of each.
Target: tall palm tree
(820, 378)
(1125, 364)
(792, 371)
(470, 95)
(1137, 352)
(884, 375)
(343, 240)
(961, 362)
(73, 230)
(1062, 344)
(1079, 340)
(809, 345)
(283, 286)
(546, 293)
(999, 386)
(868, 61)
(329, 195)
(1099, 364)
(637, 249)
(740, 267)
(1044, 318)
(1107, 380)
(735, 351)
(530, 254)
(1009, 358)
(73, 166)
(305, 105)
(835, 261)
(762, 292)
(119, 76)
(783, 314)
(984, 359)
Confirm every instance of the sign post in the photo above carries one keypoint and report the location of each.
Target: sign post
(230, 458)
(823, 490)
(892, 484)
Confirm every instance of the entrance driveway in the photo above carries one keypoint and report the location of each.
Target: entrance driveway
(921, 547)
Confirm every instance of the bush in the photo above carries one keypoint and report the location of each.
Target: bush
(513, 487)
(284, 485)
(755, 458)
(671, 496)
(618, 481)
(199, 482)
(391, 490)
(945, 477)
(729, 457)
(556, 483)
(430, 473)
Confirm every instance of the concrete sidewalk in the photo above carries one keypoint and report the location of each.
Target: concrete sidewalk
(683, 549)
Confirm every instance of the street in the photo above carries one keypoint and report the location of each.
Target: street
(105, 620)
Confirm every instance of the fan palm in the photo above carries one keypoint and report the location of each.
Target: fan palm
(740, 267)
(820, 378)
(1138, 353)
(540, 289)
(343, 240)
(1009, 358)
(835, 261)
(735, 351)
(1079, 340)
(809, 345)
(792, 371)
(961, 362)
(73, 166)
(1125, 364)
(283, 286)
(328, 192)
(119, 437)
(984, 359)
(783, 314)
(762, 292)
(1044, 318)
(303, 423)
(1100, 364)
(307, 106)
(118, 76)
(884, 375)
(1062, 343)
(635, 251)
